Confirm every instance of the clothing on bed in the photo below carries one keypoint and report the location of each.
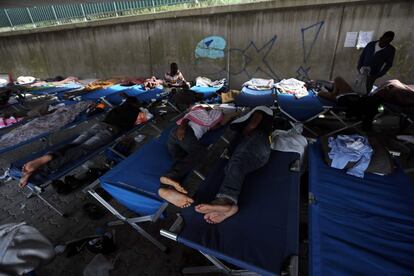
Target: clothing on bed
(98, 84)
(350, 148)
(59, 118)
(152, 83)
(206, 82)
(201, 120)
(55, 82)
(259, 84)
(123, 116)
(290, 140)
(292, 86)
(6, 122)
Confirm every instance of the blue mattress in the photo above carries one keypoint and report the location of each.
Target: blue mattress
(207, 92)
(252, 98)
(144, 96)
(135, 181)
(359, 226)
(264, 233)
(303, 109)
(104, 92)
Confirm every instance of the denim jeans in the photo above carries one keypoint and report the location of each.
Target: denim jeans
(186, 153)
(97, 136)
(250, 154)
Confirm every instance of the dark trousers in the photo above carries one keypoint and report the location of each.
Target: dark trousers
(370, 83)
(250, 154)
(186, 153)
(95, 137)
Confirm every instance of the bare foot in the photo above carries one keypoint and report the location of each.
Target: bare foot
(176, 198)
(35, 164)
(168, 181)
(208, 208)
(218, 217)
(24, 179)
(220, 204)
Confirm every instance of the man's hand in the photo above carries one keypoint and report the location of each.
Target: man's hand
(180, 132)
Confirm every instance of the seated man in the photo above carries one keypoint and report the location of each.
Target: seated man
(186, 150)
(119, 119)
(175, 78)
(251, 153)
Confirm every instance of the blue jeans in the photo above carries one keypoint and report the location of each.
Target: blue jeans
(186, 153)
(250, 154)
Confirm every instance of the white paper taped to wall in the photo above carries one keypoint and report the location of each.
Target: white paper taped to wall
(350, 39)
(364, 38)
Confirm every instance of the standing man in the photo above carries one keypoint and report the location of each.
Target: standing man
(378, 57)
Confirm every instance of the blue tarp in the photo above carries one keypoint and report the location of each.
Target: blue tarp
(359, 226)
(264, 233)
(252, 98)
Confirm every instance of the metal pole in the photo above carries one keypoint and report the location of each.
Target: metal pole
(83, 12)
(153, 6)
(54, 13)
(116, 10)
(31, 18)
(8, 18)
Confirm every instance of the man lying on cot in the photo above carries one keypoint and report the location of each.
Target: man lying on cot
(186, 149)
(119, 119)
(251, 153)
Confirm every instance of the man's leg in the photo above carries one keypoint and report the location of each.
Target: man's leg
(251, 154)
(186, 153)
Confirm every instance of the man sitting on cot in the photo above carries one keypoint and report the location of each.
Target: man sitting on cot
(186, 149)
(119, 119)
(251, 153)
(175, 78)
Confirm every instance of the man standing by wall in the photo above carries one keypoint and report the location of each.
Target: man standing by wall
(378, 57)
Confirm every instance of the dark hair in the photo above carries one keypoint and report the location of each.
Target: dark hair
(389, 34)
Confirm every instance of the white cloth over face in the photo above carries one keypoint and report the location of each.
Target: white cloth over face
(292, 86)
(22, 249)
(260, 84)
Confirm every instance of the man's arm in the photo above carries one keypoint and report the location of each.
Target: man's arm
(362, 57)
(388, 64)
(181, 129)
(254, 122)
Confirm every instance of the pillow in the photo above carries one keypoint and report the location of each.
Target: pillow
(380, 163)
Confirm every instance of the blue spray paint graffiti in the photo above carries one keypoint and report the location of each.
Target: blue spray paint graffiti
(309, 36)
(249, 60)
(211, 47)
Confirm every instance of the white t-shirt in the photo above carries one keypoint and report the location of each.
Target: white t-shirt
(377, 47)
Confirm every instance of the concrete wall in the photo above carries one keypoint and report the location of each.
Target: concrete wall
(277, 39)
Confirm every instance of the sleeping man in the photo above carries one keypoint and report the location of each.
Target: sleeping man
(119, 119)
(186, 150)
(251, 153)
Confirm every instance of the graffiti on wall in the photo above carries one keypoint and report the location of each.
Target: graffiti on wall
(253, 60)
(250, 60)
(310, 35)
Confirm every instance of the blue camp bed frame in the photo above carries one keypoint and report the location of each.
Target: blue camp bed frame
(207, 92)
(80, 119)
(310, 107)
(137, 91)
(57, 91)
(38, 188)
(359, 226)
(263, 237)
(251, 98)
(134, 183)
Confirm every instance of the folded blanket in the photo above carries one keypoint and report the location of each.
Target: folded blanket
(260, 84)
(206, 82)
(292, 86)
